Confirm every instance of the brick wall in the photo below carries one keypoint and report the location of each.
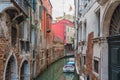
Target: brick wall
(46, 24)
(6, 48)
(88, 70)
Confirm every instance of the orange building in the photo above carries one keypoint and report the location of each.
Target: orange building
(46, 29)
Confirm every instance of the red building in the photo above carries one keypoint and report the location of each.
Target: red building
(59, 28)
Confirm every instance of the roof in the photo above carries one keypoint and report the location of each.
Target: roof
(66, 22)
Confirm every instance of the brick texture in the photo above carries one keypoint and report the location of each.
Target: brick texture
(88, 70)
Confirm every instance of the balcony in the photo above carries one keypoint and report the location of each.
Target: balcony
(101, 2)
(23, 5)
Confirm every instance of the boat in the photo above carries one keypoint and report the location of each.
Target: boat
(68, 68)
(71, 63)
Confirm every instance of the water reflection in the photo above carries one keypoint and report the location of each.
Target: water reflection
(68, 76)
(55, 72)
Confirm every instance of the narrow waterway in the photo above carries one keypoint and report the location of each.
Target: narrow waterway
(55, 72)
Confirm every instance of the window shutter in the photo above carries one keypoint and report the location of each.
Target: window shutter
(40, 12)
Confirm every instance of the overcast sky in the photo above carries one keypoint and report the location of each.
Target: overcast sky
(61, 6)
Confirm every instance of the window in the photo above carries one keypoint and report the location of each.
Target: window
(25, 4)
(40, 12)
(81, 33)
(84, 60)
(68, 29)
(34, 5)
(96, 66)
(115, 22)
(33, 36)
(84, 32)
(25, 30)
(10, 73)
(22, 46)
(34, 54)
(25, 46)
(13, 36)
(98, 22)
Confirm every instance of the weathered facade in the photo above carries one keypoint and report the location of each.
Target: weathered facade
(26, 40)
(15, 40)
(98, 39)
(46, 29)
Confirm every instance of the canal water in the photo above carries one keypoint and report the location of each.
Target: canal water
(55, 72)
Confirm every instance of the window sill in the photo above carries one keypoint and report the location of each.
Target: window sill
(95, 73)
(84, 66)
(96, 40)
(99, 40)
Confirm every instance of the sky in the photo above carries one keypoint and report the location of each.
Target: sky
(61, 6)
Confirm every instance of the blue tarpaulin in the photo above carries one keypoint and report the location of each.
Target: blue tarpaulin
(72, 63)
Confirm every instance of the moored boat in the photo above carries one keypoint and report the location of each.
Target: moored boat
(68, 68)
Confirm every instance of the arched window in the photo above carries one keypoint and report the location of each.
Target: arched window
(13, 35)
(25, 71)
(115, 22)
(11, 69)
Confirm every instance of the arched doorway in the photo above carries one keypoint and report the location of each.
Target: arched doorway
(25, 71)
(114, 45)
(11, 69)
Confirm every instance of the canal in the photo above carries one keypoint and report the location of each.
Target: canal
(55, 72)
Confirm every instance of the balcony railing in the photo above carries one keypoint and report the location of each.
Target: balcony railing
(23, 5)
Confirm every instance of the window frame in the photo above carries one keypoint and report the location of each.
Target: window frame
(84, 60)
(94, 71)
(97, 13)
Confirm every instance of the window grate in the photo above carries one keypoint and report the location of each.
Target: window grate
(115, 22)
